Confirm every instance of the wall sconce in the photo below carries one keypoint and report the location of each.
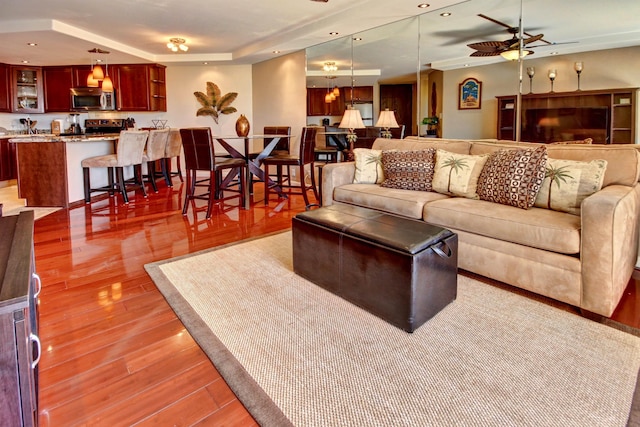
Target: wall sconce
(531, 71)
(387, 120)
(177, 44)
(552, 76)
(578, 67)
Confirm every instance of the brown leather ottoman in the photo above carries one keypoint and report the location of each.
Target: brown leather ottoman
(402, 270)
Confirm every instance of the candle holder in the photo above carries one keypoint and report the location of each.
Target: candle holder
(552, 76)
(578, 67)
(531, 71)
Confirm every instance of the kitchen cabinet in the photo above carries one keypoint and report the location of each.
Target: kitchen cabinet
(27, 90)
(358, 94)
(7, 159)
(607, 116)
(140, 87)
(20, 347)
(57, 83)
(5, 88)
(316, 105)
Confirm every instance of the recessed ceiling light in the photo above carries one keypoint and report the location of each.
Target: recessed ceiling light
(466, 65)
(553, 53)
(424, 5)
(276, 51)
(445, 14)
(357, 39)
(334, 33)
(25, 61)
(205, 63)
(32, 44)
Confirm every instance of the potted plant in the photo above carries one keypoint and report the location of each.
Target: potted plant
(432, 124)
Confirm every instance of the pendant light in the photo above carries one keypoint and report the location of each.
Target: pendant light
(98, 73)
(91, 82)
(107, 84)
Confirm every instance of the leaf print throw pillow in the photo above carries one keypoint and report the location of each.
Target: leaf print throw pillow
(567, 183)
(457, 174)
(368, 166)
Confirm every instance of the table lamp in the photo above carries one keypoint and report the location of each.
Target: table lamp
(351, 120)
(387, 120)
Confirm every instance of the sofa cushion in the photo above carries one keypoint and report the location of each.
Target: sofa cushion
(539, 228)
(457, 174)
(407, 203)
(408, 170)
(368, 166)
(567, 183)
(513, 177)
(452, 145)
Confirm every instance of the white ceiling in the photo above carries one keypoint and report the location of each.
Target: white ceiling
(248, 31)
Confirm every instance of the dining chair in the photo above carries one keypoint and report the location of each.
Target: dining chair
(174, 150)
(281, 148)
(129, 152)
(199, 155)
(305, 156)
(154, 151)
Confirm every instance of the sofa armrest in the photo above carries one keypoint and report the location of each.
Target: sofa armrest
(335, 175)
(609, 246)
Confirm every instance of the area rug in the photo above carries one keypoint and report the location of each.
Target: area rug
(295, 354)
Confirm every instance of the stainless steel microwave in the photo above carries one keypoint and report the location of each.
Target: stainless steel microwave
(92, 99)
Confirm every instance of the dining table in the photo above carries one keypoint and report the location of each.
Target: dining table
(253, 164)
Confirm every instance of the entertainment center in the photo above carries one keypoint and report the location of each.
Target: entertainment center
(606, 116)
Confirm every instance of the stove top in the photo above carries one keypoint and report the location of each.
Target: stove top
(102, 126)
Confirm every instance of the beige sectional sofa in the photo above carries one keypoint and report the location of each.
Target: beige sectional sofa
(585, 260)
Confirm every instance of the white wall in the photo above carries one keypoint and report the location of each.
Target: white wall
(605, 69)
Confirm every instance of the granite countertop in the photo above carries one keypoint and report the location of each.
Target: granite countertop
(58, 138)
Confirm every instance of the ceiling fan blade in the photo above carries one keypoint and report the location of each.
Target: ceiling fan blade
(495, 21)
(533, 39)
(479, 53)
(551, 44)
(487, 46)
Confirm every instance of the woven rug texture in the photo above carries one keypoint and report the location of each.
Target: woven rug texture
(490, 358)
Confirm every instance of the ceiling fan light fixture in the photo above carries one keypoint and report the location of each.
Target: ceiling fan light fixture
(514, 54)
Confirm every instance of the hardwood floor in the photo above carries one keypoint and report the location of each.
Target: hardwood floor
(114, 353)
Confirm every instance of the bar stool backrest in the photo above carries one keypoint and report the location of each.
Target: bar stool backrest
(283, 144)
(131, 147)
(198, 148)
(157, 143)
(308, 145)
(174, 145)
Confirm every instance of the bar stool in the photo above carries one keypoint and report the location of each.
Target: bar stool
(174, 149)
(155, 150)
(306, 156)
(128, 153)
(199, 155)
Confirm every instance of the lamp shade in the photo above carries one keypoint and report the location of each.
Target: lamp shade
(91, 82)
(107, 84)
(387, 119)
(98, 72)
(351, 119)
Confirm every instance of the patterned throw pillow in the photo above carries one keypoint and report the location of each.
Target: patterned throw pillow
(368, 166)
(567, 183)
(457, 174)
(408, 170)
(513, 177)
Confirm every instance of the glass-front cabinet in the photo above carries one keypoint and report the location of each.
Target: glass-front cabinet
(26, 87)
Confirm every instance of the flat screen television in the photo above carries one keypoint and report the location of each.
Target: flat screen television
(566, 124)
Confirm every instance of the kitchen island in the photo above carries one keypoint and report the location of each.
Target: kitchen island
(49, 167)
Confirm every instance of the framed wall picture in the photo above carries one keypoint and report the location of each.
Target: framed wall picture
(469, 94)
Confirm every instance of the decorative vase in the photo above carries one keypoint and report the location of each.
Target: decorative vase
(242, 126)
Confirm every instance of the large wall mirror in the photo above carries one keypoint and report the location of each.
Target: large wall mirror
(429, 54)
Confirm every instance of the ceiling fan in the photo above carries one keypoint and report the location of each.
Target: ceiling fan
(509, 49)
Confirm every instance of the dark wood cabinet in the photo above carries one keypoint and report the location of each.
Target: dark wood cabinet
(7, 160)
(5, 88)
(140, 87)
(606, 116)
(358, 94)
(27, 90)
(20, 347)
(57, 83)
